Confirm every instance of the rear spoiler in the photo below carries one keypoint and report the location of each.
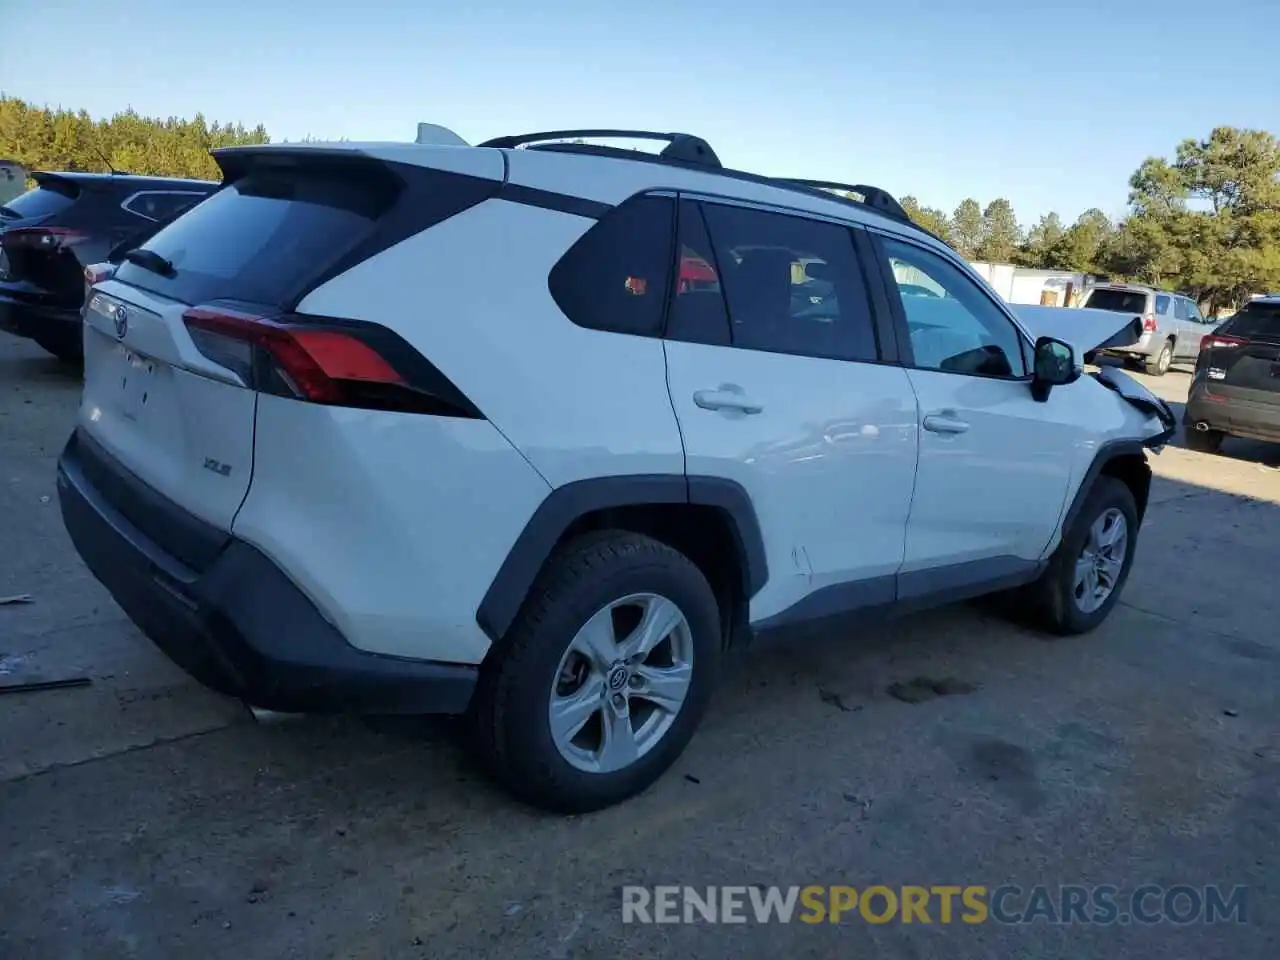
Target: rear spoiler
(235, 162)
(57, 181)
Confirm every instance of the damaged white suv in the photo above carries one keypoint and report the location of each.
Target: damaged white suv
(536, 430)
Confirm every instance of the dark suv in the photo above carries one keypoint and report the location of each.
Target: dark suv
(1236, 388)
(50, 234)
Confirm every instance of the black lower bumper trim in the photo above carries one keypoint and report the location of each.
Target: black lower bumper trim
(241, 626)
(1244, 419)
(33, 322)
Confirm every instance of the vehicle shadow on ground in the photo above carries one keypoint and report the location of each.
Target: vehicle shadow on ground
(862, 744)
(25, 370)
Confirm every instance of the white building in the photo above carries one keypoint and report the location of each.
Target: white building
(1049, 288)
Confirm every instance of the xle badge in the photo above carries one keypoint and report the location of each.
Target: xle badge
(221, 469)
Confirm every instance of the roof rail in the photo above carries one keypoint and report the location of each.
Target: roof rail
(879, 200)
(681, 147)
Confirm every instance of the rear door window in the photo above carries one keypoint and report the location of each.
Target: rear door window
(615, 276)
(792, 285)
(264, 237)
(1121, 301)
(52, 196)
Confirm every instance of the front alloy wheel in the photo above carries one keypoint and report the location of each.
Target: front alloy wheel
(1101, 560)
(621, 683)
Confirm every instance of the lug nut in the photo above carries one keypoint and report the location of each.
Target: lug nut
(619, 701)
(636, 681)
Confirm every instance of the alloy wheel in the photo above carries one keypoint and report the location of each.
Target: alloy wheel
(1101, 560)
(621, 683)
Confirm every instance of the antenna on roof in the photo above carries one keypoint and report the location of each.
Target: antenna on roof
(113, 170)
(433, 133)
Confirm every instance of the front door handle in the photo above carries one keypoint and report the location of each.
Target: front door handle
(945, 422)
(727, 396)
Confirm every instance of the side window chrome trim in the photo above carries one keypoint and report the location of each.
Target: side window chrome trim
(848, 223)
(125, 203)
(968, 271)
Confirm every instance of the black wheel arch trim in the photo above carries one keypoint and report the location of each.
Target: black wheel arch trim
(566, 504)
(1108, 452)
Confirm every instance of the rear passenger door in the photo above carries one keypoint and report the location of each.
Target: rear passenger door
(778, 379)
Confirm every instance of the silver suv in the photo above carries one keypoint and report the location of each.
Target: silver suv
(1172, 325)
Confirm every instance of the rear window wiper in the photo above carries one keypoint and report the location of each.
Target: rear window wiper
(150, 260)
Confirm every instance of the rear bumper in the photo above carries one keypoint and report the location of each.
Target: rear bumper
(1147, 346)
(29, 320)
(1238, 418)
(239, 625)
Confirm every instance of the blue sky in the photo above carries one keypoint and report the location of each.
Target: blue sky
(1051, 104)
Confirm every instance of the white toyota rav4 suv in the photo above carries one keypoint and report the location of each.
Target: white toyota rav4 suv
(536, 430)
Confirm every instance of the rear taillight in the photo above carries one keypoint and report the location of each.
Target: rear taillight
(42, 238)
(336, 362)
(1212, 341)
(1148, 322)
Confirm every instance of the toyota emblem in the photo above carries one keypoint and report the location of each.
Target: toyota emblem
(122, 322)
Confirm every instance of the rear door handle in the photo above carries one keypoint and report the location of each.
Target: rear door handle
(945, 422)
(727, 396)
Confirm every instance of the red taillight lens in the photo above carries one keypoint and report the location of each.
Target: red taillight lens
(1212, 341)
(1149, 322)
(321, 361)
(42, 238)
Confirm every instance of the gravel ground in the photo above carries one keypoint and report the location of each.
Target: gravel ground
(146, 817)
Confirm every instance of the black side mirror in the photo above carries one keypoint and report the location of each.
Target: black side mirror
(1055, 366)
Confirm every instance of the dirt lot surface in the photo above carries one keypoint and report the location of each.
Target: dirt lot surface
(143, 816)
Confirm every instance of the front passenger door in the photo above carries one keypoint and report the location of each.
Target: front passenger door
(994, 463)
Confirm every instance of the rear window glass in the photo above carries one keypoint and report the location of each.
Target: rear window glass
(263, 238)
(43, 200)
(1121, 301)
(1255, 320)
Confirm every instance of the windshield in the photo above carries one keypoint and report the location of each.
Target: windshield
(1120, 301)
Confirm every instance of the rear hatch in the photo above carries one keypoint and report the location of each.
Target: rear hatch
(179, 419)
(198, 320)
(1241, 359)
(38, 263)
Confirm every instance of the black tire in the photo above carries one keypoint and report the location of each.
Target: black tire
(510, 711)
(1204, 441)
(1159, 365)
(1050, 600)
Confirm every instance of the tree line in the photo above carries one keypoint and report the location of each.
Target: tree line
(43, 139)
(1205, 222)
